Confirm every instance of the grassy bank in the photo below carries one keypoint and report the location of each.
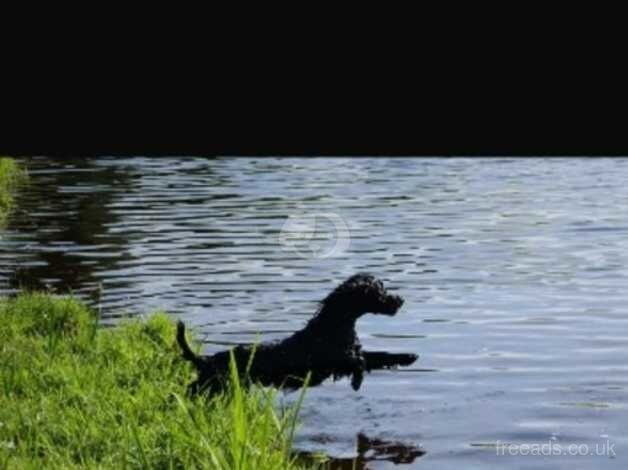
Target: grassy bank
(73, 395)
(11, 175)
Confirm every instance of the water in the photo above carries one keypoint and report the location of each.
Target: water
(514, 273)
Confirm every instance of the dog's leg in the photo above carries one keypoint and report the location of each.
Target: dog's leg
(358, 367)
(385, 360)
(358, 373)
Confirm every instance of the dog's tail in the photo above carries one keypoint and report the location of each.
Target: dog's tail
(188, 354)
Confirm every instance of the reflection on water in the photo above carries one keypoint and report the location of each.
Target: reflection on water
(62, 222)
(370, 450)
(514, 273)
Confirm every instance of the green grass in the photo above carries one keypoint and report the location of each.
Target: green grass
(11, 175)
(75, 395)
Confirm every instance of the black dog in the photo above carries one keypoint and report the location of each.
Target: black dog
(327, 346)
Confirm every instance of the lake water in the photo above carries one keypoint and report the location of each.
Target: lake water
(514, 274)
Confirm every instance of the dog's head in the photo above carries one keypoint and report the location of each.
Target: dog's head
(363, 293)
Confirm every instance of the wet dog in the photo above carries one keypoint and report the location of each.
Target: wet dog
(328, 346)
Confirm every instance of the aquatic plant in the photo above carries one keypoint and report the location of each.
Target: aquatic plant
(74, 394)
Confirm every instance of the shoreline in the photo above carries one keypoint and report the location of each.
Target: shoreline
(76, 395)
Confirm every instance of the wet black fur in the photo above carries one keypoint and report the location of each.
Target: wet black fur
(327, 346)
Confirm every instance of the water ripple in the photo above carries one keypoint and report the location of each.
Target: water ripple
(513, 271)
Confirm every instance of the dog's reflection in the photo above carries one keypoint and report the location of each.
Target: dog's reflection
(371, 450)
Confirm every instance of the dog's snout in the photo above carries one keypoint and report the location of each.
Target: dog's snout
(394, 303)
